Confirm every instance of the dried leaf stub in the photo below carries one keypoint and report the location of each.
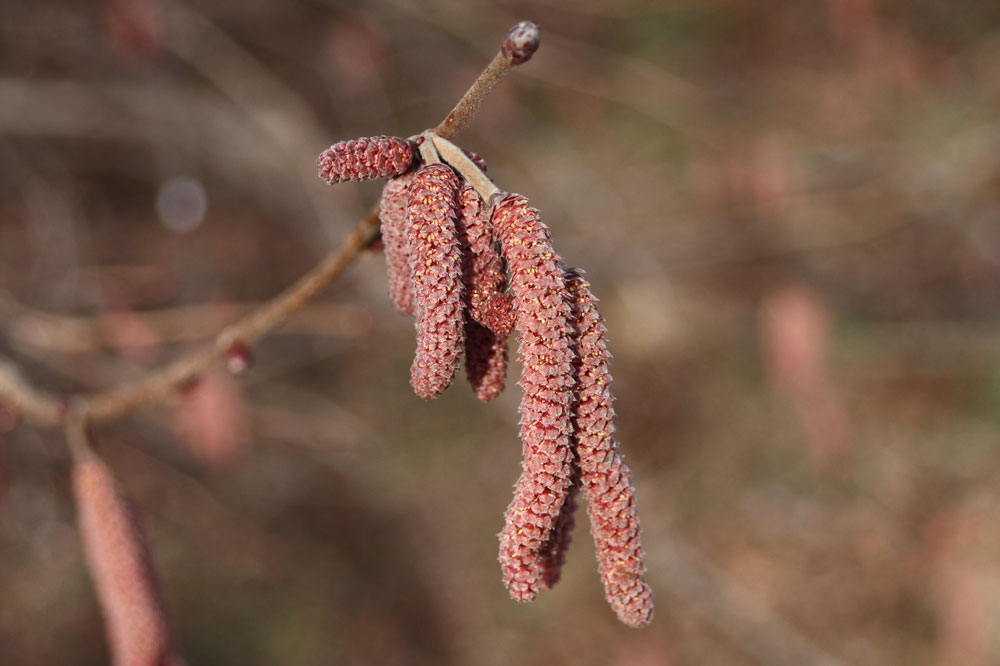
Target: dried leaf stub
(605, 479)
(365, 159)
(392, 213)
(436, 264)
(543, 325)
(122, 570)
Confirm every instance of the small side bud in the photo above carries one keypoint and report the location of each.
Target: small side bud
(521, 42)
(239, 358)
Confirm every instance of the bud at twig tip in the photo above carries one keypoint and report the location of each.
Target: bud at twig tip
(521, 42)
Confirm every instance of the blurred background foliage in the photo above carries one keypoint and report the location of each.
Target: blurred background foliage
(791, 213)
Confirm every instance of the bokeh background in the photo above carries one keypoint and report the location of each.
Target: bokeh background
(790, 211)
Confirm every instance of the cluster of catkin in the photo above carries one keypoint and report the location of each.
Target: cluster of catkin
(472, 271)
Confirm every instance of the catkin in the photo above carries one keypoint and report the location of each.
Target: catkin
(543, 327)
(604, 477)
(392, 213)
(482, 268)
(122, 570)
(485, 360)
(365, 159)
(436, 265)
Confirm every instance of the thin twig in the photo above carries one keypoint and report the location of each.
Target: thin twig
(41, 333)
(46, 409)
(518, 46)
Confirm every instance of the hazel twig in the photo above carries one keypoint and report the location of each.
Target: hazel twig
(518, 46)
(46, 409)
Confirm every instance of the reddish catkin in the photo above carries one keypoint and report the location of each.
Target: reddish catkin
(477, 159)
(121, 568)
(604, 478)
(482, 270)
(554, 553)
(485, 360)
(365, 159)
(542, 322)
(392, 213)
(436, 264)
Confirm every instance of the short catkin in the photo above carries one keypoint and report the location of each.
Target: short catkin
(365, 159)
(436, 265)
(543, 325)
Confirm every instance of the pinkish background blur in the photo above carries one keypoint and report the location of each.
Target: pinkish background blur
(790, 212)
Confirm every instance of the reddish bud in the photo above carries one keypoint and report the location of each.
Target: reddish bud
(521, 42)
(436, 264)
(239, 358)
(365, 159)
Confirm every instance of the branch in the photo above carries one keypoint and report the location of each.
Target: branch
(517, 48)
(46, 409)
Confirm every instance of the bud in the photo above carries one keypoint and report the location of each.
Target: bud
(521, 42)
(365, 159)
(436, 264)
(238, 358)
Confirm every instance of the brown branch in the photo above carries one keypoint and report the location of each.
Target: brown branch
(518, 46)
(44, 408)
(41, 333)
